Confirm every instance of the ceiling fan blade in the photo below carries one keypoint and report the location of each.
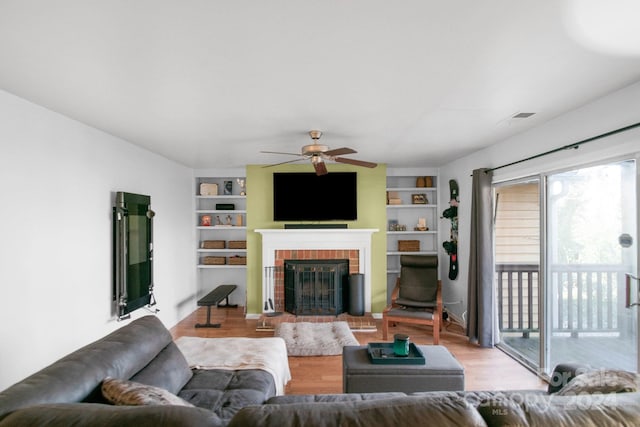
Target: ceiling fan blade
(340, 151)
(283, 163)
(321, 168)
(355, 162)
(279, 152)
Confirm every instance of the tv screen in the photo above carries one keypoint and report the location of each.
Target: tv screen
(305, 196)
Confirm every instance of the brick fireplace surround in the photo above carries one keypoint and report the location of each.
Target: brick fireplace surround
(279, 245)
(310, 254)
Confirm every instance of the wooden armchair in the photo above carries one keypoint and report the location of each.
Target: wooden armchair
(417, 296)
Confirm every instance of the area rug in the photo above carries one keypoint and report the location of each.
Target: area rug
(315, 339)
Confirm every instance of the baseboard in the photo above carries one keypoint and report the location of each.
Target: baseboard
(252, 316)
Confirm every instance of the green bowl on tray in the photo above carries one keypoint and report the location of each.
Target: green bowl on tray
(382, 354)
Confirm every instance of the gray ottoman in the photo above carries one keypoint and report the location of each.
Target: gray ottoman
(441, 372)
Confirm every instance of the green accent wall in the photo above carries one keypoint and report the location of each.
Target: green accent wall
(372, 213)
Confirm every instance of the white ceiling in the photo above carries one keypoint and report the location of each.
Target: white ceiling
(210, 83)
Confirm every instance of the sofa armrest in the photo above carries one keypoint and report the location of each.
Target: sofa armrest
(565, 372)
(99, 415)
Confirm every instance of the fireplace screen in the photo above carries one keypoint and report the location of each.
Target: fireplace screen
(315, 287)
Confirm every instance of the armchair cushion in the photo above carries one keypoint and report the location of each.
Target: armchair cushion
(411, 313)
(417, 304)
(416, 271)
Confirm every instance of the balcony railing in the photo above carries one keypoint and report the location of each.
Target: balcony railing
(584, 298)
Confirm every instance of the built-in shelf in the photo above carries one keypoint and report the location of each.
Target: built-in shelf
(406, 214)
(222, 197)
(233, 227)
(224, 266)
(218, 211)
(221, 227)
(416, 206)
(413, 232)
(226, 250)
(412, 253)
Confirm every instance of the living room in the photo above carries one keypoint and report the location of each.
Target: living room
(59, 177)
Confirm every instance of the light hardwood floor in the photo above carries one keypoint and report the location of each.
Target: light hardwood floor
(485, 369)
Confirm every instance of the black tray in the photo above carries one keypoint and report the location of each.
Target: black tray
(382, 354)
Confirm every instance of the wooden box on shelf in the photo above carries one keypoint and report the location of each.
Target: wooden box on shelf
(213, 244)
(237, 260)
(214, 260)
(408, 245)
(237, 244)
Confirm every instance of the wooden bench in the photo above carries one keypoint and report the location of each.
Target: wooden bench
(213, 298)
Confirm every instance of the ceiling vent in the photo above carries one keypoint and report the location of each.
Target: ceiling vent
(522, 115)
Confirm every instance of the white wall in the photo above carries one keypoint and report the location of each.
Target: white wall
(57, 183)
(619, 109)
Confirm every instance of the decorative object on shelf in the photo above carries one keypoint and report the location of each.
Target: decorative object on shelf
(228, 220)
(241, 183)
(237, 244)
(205, 220)
(401, 345)
(424, 181)
(212, 244)
(225, 206)
(394, 226)
(422, 225)
(408, 245)
(218, 220)
(208, 189)
(393, 198)
(214, 260)
(419, 199)
(237, 260)
(239, 220)
(228, 188)
(451, 246)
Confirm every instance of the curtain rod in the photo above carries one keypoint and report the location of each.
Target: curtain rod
(573, 146)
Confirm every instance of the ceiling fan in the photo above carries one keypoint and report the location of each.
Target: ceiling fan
(318, 153)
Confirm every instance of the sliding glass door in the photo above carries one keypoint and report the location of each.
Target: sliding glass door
(563, 244)
(517, 267)
(591, 230)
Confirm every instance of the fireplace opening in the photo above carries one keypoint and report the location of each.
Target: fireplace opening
(316, 287)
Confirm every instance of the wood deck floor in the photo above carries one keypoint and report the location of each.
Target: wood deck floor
(485, 369)
(597, 351)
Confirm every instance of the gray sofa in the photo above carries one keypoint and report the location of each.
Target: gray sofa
(68, 393)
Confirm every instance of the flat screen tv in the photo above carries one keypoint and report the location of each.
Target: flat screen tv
(305, 196)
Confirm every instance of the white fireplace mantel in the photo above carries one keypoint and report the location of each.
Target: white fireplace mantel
(319, 239)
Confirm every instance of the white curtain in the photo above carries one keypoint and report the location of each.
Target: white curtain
(482, 314)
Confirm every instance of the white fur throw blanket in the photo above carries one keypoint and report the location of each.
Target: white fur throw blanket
(268, 354)
(315, 339)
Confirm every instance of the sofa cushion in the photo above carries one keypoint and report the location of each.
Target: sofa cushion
(339, 397)
(99, 415)
(123, 392)
(409, 410)
(169, 370)
(500, 410)
(225, 392)
(595, 410)
(601, 381)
